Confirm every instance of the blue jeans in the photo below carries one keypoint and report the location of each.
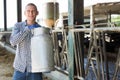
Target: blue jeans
(26, 76)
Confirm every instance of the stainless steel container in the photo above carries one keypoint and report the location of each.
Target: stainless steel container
(50, 13)
(51, 10)
(42, 56)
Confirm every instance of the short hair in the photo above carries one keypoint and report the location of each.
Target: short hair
(31, 4)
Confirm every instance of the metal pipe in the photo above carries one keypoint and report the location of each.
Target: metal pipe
(7, 47)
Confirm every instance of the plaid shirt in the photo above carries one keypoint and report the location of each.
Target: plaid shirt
(21, 38)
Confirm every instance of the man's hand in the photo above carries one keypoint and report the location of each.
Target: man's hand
(34, 26)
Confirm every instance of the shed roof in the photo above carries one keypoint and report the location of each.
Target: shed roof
(103, 9)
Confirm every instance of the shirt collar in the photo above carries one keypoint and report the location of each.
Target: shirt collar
(26, 23)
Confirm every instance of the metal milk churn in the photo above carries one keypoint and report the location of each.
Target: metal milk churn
(42, 57)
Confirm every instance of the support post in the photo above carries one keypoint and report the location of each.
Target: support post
(19, 10)
(75, 17)
(5, 14)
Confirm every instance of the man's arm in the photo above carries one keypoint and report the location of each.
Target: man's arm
(17, 35)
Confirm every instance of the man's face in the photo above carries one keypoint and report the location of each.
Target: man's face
(30, 13)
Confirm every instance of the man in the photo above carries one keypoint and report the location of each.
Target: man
(21, 38)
